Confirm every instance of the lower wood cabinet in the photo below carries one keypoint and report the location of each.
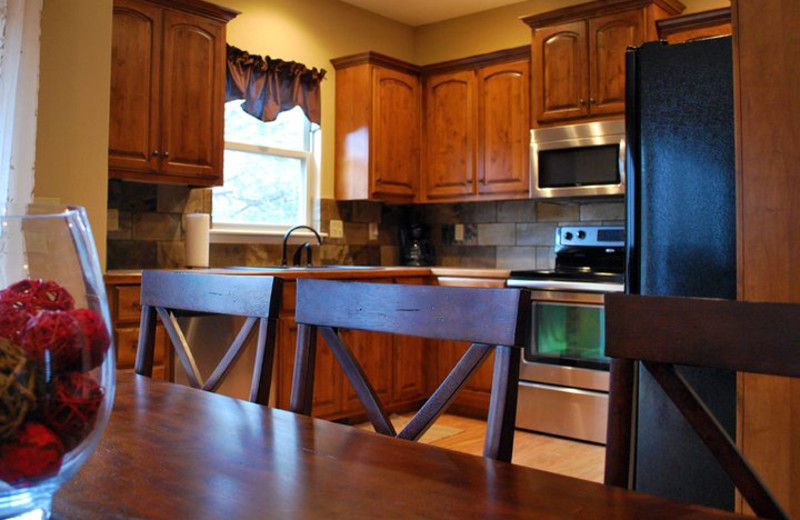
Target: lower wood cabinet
(125, 313)
(473, 400)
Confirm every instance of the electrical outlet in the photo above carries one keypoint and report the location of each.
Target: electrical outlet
(458, 232)
(373, 231)
(336, 229)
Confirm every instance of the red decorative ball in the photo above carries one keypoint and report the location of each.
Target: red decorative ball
(53, 337)
(13, 319)
(35, 452)
(95, 336)
(70, 406)
(38, 295)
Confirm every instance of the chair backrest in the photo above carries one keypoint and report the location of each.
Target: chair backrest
(168, 294)
(490, 319)
(661, 332)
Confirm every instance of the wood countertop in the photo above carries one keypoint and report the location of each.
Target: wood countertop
(132, 276)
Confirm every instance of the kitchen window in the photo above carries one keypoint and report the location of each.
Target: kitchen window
(269, 172)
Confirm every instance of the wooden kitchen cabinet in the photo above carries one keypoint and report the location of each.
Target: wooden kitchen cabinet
(377, 128)
(167, 91)
(450, 134)
(475, 137)
(578, 56)
(705, 24)
(125, 314)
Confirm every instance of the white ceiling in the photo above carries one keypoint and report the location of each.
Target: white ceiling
(421, 12)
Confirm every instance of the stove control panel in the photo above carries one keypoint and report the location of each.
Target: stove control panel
(590, 236)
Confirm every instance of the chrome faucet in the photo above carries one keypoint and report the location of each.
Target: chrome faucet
(298, 253)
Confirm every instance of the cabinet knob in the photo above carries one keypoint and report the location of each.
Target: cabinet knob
(581, 101)
(155, 153)
(166, 154)
(591, 100)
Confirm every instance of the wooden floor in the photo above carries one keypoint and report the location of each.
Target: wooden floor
(573, 458)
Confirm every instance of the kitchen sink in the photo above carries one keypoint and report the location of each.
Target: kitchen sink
(299, 268)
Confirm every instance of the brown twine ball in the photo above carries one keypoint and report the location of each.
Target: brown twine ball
(17, 382)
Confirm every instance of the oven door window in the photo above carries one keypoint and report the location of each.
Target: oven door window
(568, 334)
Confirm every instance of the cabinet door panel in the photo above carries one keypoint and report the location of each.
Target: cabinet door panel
(449, 164)
(396, 131)
(374, 353)
(610, 36)
(135, 78)
(192, 99)
(409, 368)
(559, 61)
(504, 127)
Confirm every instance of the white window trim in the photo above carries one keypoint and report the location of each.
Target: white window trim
(263, 234)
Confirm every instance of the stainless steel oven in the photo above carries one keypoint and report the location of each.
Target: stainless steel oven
(564, 374)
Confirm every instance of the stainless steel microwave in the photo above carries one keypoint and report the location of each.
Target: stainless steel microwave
(581, 160)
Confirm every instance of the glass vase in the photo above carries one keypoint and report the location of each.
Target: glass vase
(56, 355)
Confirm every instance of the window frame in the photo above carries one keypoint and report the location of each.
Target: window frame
(229, 232)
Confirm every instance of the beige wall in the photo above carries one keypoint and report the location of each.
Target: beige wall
(312, 32)
(72, 126)
(498, 29)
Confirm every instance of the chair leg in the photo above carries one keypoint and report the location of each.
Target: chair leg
(303, 376)
(500, 426)
(619, 438)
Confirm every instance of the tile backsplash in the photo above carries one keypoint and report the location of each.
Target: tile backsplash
(150, 230)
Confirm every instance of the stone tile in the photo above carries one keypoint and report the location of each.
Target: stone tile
(538, 234)
(388, 234)
(390, 255)
(478, 212)
(132, 254)
(171, 198)
(136, 197)
(125, 229)
(557, 212)
(220, 255)
(545, 258)
(333, 254)
(603, 211)
(466, 256)
(448, 235)
(114, 193)
(497, 234)
(516, 211)
(171, 255)
(156, 226)
(356, 233)
(365, 255)
(344, 209)
(328, 209)
(198, 201)
(367, 211)
(516, 257)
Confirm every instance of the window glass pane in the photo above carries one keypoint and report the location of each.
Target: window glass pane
(260, 189)
(289, 131)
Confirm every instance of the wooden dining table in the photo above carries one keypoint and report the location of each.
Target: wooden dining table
(172, 452)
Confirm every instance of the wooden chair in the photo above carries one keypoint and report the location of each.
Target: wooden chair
(660, 332)
(169, 294)
(491, 319)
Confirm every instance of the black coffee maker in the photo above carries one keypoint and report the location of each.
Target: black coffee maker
(415, 246)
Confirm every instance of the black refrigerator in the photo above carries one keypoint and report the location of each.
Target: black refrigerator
(681, 240)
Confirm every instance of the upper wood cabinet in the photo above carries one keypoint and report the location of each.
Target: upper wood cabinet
(377, 128)
(578, 56)
(694, 26)
(475, 137)
(167, 91)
